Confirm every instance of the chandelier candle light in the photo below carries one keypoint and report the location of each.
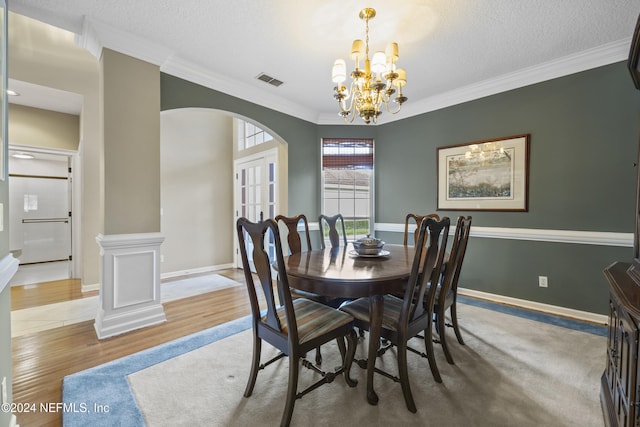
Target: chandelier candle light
(368, 92)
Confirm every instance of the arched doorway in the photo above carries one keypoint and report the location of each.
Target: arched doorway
(201, 194)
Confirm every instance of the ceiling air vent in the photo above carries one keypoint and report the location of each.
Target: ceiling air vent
(268, 79)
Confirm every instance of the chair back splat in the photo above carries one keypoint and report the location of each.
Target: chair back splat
(336, 229)
(293, 236)
(295, 326)
(417, 219)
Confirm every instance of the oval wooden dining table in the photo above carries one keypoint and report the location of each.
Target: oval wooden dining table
(339, 273)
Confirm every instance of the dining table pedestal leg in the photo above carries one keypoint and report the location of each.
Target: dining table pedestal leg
(376, 308)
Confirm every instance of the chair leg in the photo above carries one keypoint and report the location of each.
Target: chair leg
(443, 337)
(292, 389)
(342, 348)
(404, 377)
(454, 321)
(318, 356)
(255, 365)
(348, 356)
(428, 347)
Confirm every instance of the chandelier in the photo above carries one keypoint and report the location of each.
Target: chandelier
(371, 88)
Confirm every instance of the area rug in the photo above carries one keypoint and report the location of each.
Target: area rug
(513, 371)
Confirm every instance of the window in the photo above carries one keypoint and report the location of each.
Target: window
(347, 183)
(250, 135)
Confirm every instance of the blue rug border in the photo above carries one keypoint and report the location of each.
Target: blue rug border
(115, 393)
(578, 325)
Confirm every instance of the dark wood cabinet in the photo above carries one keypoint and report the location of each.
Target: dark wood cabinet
(620, 386)
(620, 394)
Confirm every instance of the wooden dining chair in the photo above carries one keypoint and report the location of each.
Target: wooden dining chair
(294, 327)
(294, 240)
(417, 219)
(404, 318)
(335, 230)
(447, 288)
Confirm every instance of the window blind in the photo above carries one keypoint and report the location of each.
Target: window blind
(347, 153)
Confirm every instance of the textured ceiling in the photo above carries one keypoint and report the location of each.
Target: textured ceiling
(453, 50)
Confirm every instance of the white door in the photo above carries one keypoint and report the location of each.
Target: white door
(255, 190)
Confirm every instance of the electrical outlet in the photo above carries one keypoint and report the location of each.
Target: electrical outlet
(543, 281)
(161, 258)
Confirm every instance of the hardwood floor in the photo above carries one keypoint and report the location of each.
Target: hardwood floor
(41, 360)
(28, 296)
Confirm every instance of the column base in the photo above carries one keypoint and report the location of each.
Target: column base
(130, 283)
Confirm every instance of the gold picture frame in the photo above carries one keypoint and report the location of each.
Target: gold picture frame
(488, 175)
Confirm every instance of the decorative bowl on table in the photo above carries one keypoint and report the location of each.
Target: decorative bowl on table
(368, 245)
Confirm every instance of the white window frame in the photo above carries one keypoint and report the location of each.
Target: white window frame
(371, 207)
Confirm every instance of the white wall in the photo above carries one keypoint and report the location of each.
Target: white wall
(196, 158)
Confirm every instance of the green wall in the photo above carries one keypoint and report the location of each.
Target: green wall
(584, 138)
(300, 135)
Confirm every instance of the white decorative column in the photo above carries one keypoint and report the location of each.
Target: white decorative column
(130, 283)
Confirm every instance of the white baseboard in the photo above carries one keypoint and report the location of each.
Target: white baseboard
(115, 323)
(586, 316)
(199, 270)
(90, 288)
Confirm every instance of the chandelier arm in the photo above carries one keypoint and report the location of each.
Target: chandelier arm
(386, 104)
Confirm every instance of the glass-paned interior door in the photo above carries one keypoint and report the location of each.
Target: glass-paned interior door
(41, 229)
(256, 192)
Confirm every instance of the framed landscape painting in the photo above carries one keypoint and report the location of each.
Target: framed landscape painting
(489, 175)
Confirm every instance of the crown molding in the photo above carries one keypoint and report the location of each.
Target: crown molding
(97, 35)
(188, 71)
(582, 61)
